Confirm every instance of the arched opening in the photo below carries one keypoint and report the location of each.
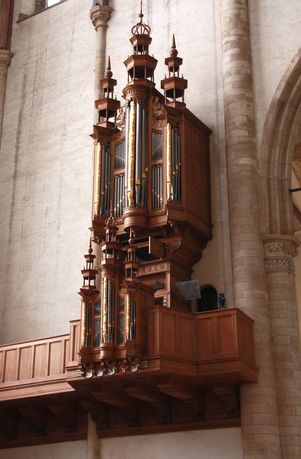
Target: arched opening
(278, 160)
(296, 198)
(282, 133)
(281, 165)
(208, 300)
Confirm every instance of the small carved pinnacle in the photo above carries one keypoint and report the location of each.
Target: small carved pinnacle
(173, 50)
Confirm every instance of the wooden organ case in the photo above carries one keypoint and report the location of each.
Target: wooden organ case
(147, 358)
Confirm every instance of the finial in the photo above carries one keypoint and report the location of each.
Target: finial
(109, 73)
(140, 28)
(173, 50)
(90, 247)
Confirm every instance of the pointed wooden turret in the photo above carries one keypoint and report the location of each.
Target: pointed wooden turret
(141, 66)
(89, 273)
(174, 86)
(107, 106)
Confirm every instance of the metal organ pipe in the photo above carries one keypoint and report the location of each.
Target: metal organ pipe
(160, 186)
(138, 156)
(130, 317)
(178, 167)
(168, 160)
(127, 316)
(133, 319)
(173, 155)
(97, 180)
(102, 186)
(127, 127)
(104, 310)
(144, 159)
(88, 325)
(131, 154)
(83, 325)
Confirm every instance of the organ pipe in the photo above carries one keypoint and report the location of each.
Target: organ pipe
(127, 316)
(168, 159)
(104, 309)
(131, 154)
(130, 317)
(83, 324)
(138, 154)
(97, 179)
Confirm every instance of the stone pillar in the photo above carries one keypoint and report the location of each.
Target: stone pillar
(100, 15)
(5, 60)
(259, 415)
(279, 253)
(93, 440)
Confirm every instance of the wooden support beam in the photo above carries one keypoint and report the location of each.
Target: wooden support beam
(33, 411)
(113, 395)
(146, 393)
(177, 389)
(229, 399)
(58, 408)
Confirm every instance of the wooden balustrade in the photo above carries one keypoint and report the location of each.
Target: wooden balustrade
(198, 359)
(40, 363)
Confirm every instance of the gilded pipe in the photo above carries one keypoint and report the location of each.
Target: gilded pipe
(83, 327)
(132, 142)
(97, 183)
(104, 314)
(127, 315)
(169, 159)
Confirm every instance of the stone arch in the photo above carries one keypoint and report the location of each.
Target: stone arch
(280, 135)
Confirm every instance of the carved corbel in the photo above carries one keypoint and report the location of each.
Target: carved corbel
(279, 253)
(100, 15)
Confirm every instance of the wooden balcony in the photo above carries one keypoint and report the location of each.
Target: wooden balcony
(38, 367)
(213, 347)
(188, 378)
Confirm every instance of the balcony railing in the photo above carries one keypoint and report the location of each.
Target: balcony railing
(38, 366)
(214, 346)
(191, 366)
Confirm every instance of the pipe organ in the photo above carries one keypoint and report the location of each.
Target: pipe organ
(151, 208)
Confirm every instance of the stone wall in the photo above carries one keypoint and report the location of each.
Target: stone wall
(46, 171)
(205, 444)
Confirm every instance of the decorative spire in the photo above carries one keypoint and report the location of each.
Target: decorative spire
(109, 73)
(107, 105)
(174, 86)
(141, 28)
(173, 49)
(141, 65)
(89, 274)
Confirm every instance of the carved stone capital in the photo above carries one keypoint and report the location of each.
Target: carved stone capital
(5, 57)
(100, 15)
(279, 253)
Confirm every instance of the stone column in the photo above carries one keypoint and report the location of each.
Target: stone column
(259, 415)
(279, 253)
(100, 15)
(5, 60)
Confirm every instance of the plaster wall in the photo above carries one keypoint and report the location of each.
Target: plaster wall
(202, 444)
(46, 170)
(275, 39)
(46, 155)
(76, 450)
